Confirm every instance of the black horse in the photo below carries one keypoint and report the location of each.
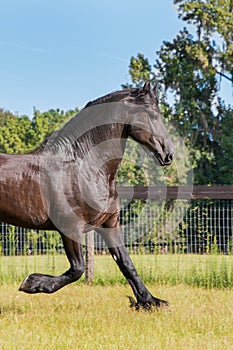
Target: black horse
(69, 183)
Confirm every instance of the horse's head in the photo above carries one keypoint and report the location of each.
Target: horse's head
(146, 124)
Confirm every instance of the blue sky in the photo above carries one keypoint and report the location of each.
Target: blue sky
(63, 53)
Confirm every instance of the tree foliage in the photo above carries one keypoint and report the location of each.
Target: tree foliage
(213, 20)
(139, 70)
(14, 132)
(224, 155)
(19, 134)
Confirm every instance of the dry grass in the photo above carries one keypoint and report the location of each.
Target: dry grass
(98, 317)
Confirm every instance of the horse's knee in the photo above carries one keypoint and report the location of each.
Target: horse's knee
(76, 272)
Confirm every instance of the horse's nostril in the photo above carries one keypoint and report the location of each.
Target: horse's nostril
(168, 159)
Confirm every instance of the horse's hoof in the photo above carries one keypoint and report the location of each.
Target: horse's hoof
(160, 303)
(32, 284)
(148, 305)
(24, 285)
(132, 301)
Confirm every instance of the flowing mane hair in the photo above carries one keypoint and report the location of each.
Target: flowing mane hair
(115, 96)
(129, 94)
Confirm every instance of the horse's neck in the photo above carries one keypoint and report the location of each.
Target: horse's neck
(104, 141)
(102, 151)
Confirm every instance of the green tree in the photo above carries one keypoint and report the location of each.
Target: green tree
(139, 70)
(19, 134)
(43, 124)
(213, 20)
(4, 115)
(224, 149)
(14, 133)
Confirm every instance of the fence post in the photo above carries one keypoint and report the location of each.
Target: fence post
(89, 256)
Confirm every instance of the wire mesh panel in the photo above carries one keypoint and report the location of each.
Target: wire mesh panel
(206, 227)
(23, 251)
(209, 226)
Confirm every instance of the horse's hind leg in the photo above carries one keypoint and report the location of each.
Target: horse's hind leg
(39, 283)
(145, 299)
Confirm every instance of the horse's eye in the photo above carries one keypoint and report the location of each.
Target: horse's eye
(153, 115)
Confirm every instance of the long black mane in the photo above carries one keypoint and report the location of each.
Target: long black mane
(129, 94)
(115, 96)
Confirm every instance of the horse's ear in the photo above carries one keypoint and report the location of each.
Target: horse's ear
(155, 89)
(146, 86)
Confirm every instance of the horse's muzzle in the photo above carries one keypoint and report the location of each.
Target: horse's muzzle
(168, 159)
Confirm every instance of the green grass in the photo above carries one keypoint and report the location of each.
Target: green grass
(207, 271)
(98, 317)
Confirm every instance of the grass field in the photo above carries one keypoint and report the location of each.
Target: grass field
(208, 271)
(98, 317)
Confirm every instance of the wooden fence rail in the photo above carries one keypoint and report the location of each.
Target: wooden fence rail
(175, 192)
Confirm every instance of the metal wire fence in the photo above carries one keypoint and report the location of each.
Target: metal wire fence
(152, 228)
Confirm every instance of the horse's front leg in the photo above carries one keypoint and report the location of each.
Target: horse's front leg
(114, 241)
(40, 283)
(144, 298)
